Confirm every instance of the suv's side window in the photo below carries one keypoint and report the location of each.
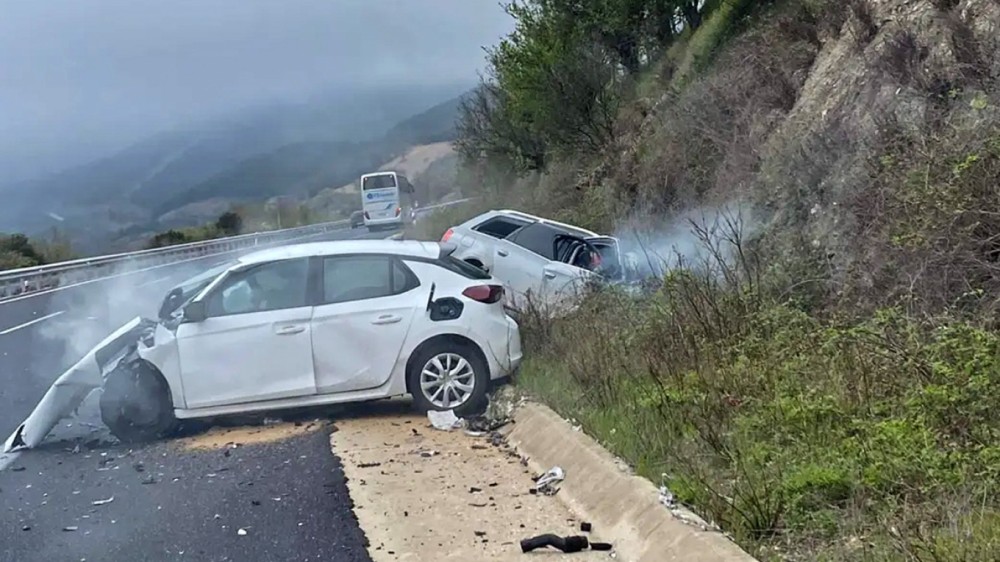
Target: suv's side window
(269, 286)
(499, 227)
(351, 278)
(539, 238)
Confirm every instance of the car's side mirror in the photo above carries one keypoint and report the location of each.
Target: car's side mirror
(195, 312)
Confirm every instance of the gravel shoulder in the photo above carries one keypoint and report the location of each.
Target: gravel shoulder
(424, 494)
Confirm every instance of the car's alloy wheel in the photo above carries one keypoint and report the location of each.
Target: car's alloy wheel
(447, 380)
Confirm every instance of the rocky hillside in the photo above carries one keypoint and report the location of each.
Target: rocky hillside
(818, 370)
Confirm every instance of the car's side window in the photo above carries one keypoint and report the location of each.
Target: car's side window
(270, 286)
(351, 278)
(499, 227)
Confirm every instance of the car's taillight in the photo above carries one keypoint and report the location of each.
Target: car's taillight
(447, 235)
(367, 216)
(398, 210)
(488, 294)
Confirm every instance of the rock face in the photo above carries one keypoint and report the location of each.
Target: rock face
(790, 117)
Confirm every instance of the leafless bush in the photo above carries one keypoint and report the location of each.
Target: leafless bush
(932, 238)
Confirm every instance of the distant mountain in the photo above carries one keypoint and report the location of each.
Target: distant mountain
(269, 150)
(303, 169)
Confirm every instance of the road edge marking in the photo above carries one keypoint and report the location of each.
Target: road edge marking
(31, 323)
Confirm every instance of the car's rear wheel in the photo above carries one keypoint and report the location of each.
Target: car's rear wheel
(136, 404)
(448, 375)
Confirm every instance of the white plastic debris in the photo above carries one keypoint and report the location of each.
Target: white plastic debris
(241, 532)
(102, 502)
(667, 498)
(545, 483)
(445, 421)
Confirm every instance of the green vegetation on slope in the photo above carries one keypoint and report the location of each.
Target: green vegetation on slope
(18, 251)
(822, 382)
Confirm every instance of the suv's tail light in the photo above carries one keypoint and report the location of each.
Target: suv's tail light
(447, 235)
(488, 294)
(398, 210)
(367, 216)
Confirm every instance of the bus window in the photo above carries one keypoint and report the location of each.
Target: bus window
(379, 182)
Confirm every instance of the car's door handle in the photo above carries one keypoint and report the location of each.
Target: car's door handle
(550, 275)
(289, 330)
(386, 319)
(503, 253)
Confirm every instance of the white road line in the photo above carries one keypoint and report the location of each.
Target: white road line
(154, 281)
(32, 323)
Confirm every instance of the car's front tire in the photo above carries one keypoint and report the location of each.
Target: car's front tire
(136, 404)
(449, 375)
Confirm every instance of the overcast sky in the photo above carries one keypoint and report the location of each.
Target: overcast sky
(87, 74)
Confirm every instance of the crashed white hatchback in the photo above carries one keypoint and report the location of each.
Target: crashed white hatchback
(301, 325)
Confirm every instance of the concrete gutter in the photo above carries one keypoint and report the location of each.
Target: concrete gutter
(624, 507)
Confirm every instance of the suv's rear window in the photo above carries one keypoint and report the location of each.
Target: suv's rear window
(462, 268)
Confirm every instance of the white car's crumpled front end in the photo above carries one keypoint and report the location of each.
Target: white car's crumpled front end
(73, 386)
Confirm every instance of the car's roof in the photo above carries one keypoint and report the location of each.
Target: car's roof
(411, 248)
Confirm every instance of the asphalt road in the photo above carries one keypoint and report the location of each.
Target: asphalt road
(289, 497)
(43, 335)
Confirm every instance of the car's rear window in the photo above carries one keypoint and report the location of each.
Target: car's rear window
(462, 268)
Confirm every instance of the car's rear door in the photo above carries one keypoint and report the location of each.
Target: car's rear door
(521, 262)
(359, 325)
(255, 343)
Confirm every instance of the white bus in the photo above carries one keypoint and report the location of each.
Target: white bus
(381, 199)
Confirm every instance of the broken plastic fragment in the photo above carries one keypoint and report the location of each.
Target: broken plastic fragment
(69, 390)
(565, 544)
(546, 482)
(102, 502)
(667, 498)
(241, 532)
(445, 421)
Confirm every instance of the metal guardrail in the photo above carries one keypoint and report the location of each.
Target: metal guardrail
(17, 282)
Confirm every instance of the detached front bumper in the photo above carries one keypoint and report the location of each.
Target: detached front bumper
(70, 389)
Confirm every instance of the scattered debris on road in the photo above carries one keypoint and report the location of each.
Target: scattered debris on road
(573, 543)
(480, 480)
(241, 532)
(103, 502)
(70, 529)
(445, 421)
(586, 527)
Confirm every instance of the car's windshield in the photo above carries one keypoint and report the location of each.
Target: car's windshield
(179, 295)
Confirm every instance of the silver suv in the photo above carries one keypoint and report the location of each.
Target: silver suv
(539, 260)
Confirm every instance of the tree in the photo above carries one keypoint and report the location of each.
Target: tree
(168, 238)
(16, 251)
(230, 223)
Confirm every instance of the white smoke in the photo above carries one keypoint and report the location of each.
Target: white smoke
(654, 244)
